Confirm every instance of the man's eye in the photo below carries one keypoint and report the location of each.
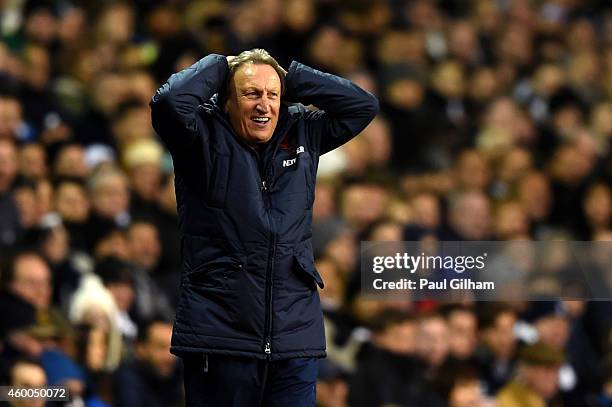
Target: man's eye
(273, 95)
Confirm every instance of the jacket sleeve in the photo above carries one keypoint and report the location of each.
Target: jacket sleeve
(174, 105)
(344, 108)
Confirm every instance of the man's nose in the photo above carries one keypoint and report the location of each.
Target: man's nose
(264, 105)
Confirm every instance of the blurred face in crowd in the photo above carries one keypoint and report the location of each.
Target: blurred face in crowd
(41, 26)
(113, 244)
(71, 202)
(97, 348)
(500, 336)
(29, 213)
(25, 374)
(535, 195)
(601, 119)
(44, 196)
(109, 90)
(33, 161)
(471, 215)
(332, 393)
(426, 209)
(462, 328)
(32, 281)
(463, 41)
(598, 206)
(333, 294)
(56, 244)
(156, 349)
(144, 244)
(511, 221)
(342, 250)
(37, 66)
(405, 93)
(299, 15)
(8, 164)
(254, 102)
(516, 45)
(432, 340)
(504, 114)
(379, 142)
(10, 117)
(548, 79)
(584, 69)
(324, 205)
(357, 156)
(553, 330)
(515, 164)
(570, 165)
(142, 86)
(472, 170)
(145, 180)
(110, 196)
(399, 338)
(70, 162)
(387, 232)
(116, 24)
(466, 393)
(134, 124)
(123, 293)
(449, 80)
(543, 380)
(483, 85)
(363, 204)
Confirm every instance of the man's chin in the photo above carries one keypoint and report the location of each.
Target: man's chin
(259, 138)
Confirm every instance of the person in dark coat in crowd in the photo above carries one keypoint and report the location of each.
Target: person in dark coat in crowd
(153, 378)
(10, 224)
(249, 320)
(389, 370)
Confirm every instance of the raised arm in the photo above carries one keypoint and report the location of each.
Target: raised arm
(345, 108)
(174, 105)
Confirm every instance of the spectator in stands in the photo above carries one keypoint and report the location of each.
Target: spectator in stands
(152, 378)
(27, 374)
(536, 379)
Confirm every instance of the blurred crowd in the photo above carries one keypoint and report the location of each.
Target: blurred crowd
(496, 124)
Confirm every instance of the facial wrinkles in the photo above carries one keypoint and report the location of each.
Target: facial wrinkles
(254, 111)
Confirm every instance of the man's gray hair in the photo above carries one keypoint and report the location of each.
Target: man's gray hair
(257, 56)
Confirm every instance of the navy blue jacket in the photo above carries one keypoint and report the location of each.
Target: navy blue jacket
(249, 284)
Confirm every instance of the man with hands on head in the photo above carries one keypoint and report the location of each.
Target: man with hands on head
(249, 325)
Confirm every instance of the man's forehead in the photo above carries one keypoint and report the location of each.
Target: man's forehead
(251, 74)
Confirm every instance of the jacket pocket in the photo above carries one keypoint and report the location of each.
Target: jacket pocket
(304, 261)
(218, 181)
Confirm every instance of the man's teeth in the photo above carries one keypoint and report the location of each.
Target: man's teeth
(261, 119)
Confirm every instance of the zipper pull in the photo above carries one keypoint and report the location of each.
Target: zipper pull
(264, 188)
(267, 349)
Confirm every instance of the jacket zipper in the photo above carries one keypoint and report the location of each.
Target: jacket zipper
(267, 347)
(267, 175)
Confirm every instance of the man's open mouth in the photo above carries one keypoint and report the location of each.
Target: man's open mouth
(260, 119)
